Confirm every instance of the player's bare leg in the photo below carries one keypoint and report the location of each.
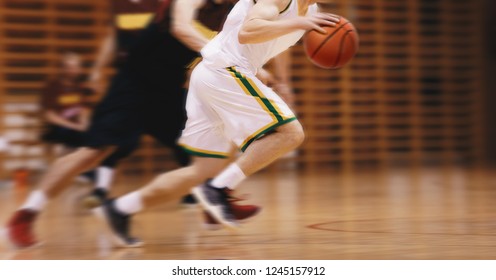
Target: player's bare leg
(212, 194)
(19, 230)
(258, 155)
(64, 169)
(177, 183)
(169, 186)
(269, 148)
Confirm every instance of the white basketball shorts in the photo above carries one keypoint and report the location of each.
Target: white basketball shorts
(229, 107)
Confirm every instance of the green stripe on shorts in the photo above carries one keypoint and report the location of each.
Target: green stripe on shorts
(254, 93)
(268, 129)
(202, 153)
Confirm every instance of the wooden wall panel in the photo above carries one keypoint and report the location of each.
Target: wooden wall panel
(33, 33)
(411, 95)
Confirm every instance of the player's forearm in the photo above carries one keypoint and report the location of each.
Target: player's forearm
(189, 36)
(55, 119)
(258, 30)
(105, 52)
(184, 13)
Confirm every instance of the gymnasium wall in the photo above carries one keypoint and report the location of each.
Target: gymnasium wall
(414, 94)
(490, 59)
(32, 35)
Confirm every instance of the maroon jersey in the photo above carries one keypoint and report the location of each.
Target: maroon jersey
(65, 99)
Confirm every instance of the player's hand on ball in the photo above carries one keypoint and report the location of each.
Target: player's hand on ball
(317, 21)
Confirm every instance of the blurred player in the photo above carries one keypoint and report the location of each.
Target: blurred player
(65, 106)
(145, 97)
(227, 104)
(129, 18)
(64, 102)
(66, 111)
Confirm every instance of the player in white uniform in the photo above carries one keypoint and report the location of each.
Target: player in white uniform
(229, 108)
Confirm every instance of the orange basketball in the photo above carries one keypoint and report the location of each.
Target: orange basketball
(334, 49)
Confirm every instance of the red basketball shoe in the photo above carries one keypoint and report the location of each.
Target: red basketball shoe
(242, 213)
(19, 229)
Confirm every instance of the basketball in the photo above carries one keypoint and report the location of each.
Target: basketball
(334, 49)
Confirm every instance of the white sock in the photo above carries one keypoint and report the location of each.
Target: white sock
(230, 177)
(104, 177)
(36, 201)
(129, 204)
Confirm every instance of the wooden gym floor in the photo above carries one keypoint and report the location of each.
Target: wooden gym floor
(429, 213)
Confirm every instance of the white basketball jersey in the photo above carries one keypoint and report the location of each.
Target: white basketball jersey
(225, 50)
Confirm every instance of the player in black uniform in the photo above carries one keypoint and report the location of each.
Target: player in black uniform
(145, 97)
(128, 19)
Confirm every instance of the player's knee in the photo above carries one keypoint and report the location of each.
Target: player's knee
(294, 134)
(300, 138)
(91, 154)
(84, 157)
(297, 138)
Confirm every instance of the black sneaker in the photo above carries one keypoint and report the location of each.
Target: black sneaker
(95, 198)
(188, 200)
(116, 225)
(216, 202)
